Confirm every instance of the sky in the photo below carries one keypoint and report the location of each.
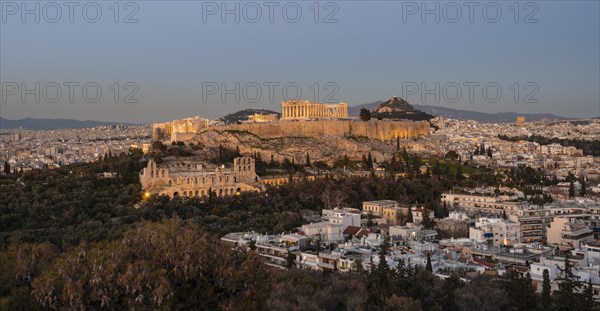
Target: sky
(148, 61)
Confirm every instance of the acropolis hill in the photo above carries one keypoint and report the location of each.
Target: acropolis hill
(303, 118)
(382, 130)
(325, 131)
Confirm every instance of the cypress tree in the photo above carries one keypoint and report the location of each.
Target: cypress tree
(546, 298)
(6, 168)
(428, 266)
(409, 217)
(571, 189)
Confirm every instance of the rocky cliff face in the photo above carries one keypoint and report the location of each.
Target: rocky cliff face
(374, 129)
(323, 140)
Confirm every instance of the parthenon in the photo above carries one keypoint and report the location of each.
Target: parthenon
(305, 109)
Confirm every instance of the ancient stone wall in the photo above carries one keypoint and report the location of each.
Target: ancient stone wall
(373, 129)
(193, 180)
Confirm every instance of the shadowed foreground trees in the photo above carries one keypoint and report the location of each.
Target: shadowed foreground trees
(174, 264)
(171, 265)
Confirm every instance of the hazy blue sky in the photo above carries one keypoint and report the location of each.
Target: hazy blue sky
(177, 51)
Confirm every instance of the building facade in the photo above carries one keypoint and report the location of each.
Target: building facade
(196, 180)
(179, 130)
(496, 232)
(376, 207)
(259, 118)
(305, 109)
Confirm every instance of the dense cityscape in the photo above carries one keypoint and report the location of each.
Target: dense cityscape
(465, 201)
(300, 155)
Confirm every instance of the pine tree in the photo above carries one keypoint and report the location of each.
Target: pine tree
(450, 285)
(520, 291)
(370, 161)
(370, 222)
(436, 168)
(445, 212)
(588, 301)
(358, 267)
(307, 159)
(393, 164)
(427, 222)
(290, 260)
(287, 164)
(380, 283)
(567, 296)
(459, 173)
(365, 114)
(404, 155)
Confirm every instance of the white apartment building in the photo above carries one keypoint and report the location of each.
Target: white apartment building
(496, 231)
(569, 232)
(324, 231)
(345, 217)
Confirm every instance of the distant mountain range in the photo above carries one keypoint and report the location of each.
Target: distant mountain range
(464, 114)
(52, 124)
